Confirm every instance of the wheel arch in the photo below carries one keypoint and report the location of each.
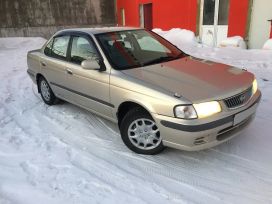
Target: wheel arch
(38, 76)
(125, 106)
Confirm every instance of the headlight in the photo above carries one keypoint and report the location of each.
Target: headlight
(207, 109)
(254, 87)
(200, 110)
(185, 112)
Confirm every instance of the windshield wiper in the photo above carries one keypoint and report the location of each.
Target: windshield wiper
(158, 60)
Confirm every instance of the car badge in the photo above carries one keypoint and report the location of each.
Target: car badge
(242, 98)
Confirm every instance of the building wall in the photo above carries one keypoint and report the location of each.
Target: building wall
(238, 18)
(260, 27)
(247, 18)
(166, 14)
(131, 12)
(183, 14)
(44, 17)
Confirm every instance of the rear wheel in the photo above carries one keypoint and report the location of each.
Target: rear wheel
(140, 132)
(46, 92)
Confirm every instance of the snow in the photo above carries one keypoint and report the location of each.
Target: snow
(268, 45)
(177, 36)
(64, 154)
(235, 41)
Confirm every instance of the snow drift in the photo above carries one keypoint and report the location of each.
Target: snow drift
(268, 45)
(235, 41)
(177, 36)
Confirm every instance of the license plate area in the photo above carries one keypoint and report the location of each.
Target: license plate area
(240, 117)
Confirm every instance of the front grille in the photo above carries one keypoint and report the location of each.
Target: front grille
(239, 99)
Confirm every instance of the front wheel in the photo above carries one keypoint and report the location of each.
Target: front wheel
(140, 133)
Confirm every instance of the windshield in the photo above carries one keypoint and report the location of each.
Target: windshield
(136, 48)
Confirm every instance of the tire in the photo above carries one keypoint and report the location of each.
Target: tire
(140, 133)
(46, 92)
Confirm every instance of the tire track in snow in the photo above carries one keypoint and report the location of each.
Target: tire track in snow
(76, 140)
(94, 147)
(167, 164)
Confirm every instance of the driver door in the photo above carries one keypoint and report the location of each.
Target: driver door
(87, 88)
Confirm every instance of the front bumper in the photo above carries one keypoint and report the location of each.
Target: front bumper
(194, 135)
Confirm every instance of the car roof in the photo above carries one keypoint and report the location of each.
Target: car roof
(97, 30)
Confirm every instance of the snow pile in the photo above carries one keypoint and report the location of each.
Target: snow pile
(64, 154)
(181, 37)
(268, 45)
(177, 36)
(235, 41)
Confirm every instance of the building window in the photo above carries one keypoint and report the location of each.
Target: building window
(208, 13)
(223, 14)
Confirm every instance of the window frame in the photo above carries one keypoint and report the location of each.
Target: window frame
(72, 34)
(46, 45)
(88, 38)
(108, 56)
(53, 41)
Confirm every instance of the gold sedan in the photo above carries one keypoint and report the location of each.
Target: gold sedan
(158, 95)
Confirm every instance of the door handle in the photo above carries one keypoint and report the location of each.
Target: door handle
(43, 64)
(69, 71)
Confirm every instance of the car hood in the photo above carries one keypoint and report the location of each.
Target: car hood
(195, 79)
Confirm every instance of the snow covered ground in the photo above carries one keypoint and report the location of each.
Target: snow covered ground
(63, 154)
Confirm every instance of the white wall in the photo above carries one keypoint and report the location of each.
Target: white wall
(260, 28)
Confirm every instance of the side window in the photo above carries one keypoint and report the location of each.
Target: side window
(82, 49)
(59, 48)
(48, 48)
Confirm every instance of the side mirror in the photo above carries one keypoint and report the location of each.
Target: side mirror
(90, 65)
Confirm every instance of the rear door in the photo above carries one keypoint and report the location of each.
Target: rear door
(88, 88)
(53, 63)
